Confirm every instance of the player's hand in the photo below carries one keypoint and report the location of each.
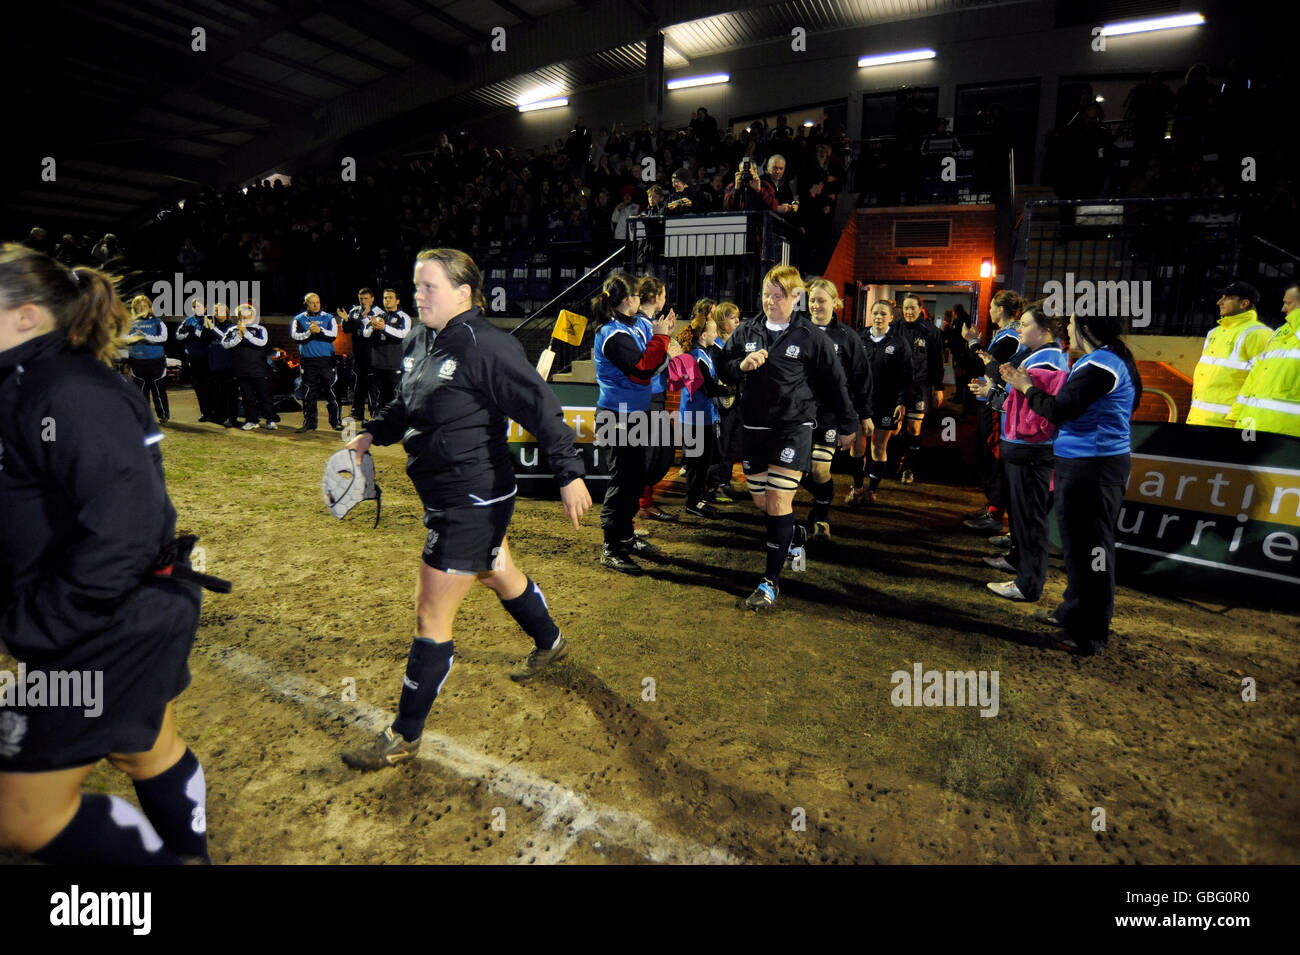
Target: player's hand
(980, 386)
(360, 444)
(341, 314)
(1017, 378)
(847, 440)
(868, 427)
(665, 324)
(314, 328)
(377, 322)
(754, 360)
(576, 500)
(900, 415)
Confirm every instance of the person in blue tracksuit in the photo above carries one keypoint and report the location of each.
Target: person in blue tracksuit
(315, 331)
(353, 322)
(384, 334)
(191, 334)
(221, 367)
(626, 363)
(1027, 464)
(653, 296)
(1093, 443)
(1004, 311)
(246, 342)
(148, 361)
(700, 422)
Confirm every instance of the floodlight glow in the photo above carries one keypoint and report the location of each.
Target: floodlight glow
(905, 57)
(809, 123)
(689, 81)
(1153, 23)
(539, 94)
(544, 104)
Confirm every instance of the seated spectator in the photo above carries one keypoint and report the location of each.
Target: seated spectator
(108, 252)
(69, 253)
(625, 210)
(658, 206)
(690, 199)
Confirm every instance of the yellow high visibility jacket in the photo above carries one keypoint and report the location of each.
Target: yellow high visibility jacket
(1230, 350)
(1270, 398)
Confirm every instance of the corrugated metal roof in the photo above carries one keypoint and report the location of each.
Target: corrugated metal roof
(278, 79)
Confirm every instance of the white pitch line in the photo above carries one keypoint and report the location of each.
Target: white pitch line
(558, 803)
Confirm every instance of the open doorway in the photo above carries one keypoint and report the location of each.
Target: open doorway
(939, 300)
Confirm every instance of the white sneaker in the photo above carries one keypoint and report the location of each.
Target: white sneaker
(270, 426)
(248, 426)
(1008, 590)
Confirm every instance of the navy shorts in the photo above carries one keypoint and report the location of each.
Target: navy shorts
(106, 694)
(466, 539)
(887, 421)
(790, 448)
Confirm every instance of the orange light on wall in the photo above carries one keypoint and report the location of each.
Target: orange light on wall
(986, 269)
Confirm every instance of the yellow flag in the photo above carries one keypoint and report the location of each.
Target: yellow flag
(569, 327)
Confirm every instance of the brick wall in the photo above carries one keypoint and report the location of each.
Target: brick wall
(1161, 375)
(866, 249)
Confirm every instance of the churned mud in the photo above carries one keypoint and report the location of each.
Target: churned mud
(684, 729)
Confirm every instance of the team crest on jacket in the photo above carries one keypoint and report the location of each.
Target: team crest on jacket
(792, 351)
(751, 346)
(447, 370)
(408, 364)
(919, 343)
(889, 349)
(13, 727)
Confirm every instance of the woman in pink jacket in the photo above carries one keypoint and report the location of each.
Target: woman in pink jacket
(1025, 447)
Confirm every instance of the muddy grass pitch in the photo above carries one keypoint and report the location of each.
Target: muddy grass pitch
(681, 729)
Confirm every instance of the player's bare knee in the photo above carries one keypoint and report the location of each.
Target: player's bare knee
(27, 823)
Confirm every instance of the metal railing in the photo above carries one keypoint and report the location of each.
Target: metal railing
(721, 255)
(1185, 249)
(534, 332)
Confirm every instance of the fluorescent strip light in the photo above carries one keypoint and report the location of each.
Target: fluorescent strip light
(539, 94)
(690, 81)
(544, 104)
(1154, 23)
(905, 57)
